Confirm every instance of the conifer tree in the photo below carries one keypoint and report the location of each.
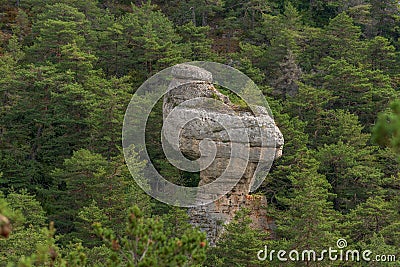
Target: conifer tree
(88, 177)
(239, 243)
(310, 222)
(145, 243)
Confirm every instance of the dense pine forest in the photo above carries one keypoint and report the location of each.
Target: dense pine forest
(329, 69)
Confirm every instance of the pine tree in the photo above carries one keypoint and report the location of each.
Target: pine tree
(370, 217)
(385, 17)
(238, 245)
(379, 246)
(351, 172)
(196, 41)
(76, 61)
(318, 12)
(311, 104)
(106, 103)
(277, 184)
(145, 243)
(109, 46)
(381, 55)
(28, 219)
(151, 41)
(310, 220)
(59, 25)
(361, 91)
(44, 126)
(281, 36)
(88, 177)
(342, 39)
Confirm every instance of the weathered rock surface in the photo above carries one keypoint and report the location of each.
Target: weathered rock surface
(225, 125)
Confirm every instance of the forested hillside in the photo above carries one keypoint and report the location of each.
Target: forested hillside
(329, 69)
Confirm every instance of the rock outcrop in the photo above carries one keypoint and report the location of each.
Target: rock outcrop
(216, 122)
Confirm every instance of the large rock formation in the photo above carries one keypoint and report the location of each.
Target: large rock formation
(191, 83)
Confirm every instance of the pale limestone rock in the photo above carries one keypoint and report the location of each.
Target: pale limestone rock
(192, 82)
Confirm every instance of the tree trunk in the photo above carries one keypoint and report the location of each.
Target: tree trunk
(193, 16)
(204, 18)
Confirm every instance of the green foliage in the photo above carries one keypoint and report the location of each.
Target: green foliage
(146, 244)
(378, 245)
(342, 36)
(386, 130)
(277, 184)
(176, 222)
(238, 244)
(150, 39)
(29, 207)
(59, 25)
(106, 102)
(385, 18)
(194, 39)
(351, 173)
(27, 219)
(89, 181)
(359, 226)
(361, 91)
(68, 69)
(310, 220)
(381, 55)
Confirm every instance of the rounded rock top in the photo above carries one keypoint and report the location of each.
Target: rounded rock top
(190, 72)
